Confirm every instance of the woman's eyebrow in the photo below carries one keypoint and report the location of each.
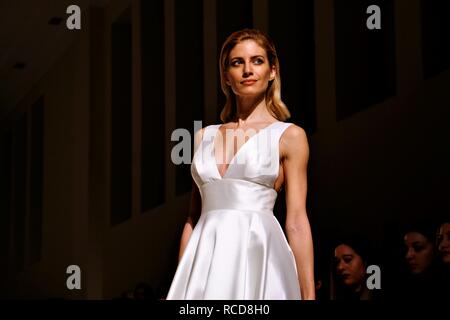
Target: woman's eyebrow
(252, 57)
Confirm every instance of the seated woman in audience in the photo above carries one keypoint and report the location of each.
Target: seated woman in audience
(351, 257)
(443, 243)
(422, 277)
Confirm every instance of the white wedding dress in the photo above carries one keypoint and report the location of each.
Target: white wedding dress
(237, 249)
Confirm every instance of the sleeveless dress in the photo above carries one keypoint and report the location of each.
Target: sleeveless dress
(237, 250)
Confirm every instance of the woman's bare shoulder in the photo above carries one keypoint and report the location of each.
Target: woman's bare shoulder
(198, 137)
(201, 131)
(294, 134)
(227, 125)
(294, 140)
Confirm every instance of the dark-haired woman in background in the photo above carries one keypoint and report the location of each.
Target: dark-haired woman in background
(352, 255)
(421, 279)
(443, 245)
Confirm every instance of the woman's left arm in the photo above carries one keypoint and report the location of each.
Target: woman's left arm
(295, 152)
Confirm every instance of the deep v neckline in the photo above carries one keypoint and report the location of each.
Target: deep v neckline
(237, 152)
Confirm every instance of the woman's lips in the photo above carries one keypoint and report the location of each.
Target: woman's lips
(248, 82)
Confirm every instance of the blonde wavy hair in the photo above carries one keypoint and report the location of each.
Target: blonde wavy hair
(273, 93)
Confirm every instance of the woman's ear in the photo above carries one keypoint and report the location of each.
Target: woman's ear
(226, 80)
(273, 73)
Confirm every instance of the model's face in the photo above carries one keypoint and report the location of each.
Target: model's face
(350, 267)
(249, 72)
(443, 242)
(419, 252)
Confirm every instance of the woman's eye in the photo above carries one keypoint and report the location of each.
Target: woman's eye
(259, 61)
(235, 63)
(348, 260)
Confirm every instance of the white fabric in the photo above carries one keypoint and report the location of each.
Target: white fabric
(237, 249)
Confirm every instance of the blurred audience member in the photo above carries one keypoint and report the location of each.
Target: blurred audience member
(422, 276)
(443, 243)
(351, 257)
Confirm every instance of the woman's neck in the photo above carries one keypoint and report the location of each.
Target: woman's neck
(251, 110)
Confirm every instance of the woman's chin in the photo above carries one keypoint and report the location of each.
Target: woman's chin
(446, 259)
(249, 92)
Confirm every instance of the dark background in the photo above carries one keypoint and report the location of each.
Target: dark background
(86, 118)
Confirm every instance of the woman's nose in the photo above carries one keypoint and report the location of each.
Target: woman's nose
(409, 254)
(444, 244)
(247, 70)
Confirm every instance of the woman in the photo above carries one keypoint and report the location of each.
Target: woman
(420, 250)
(232, 246)
(421, 281)
(351, 257)
(443, 243)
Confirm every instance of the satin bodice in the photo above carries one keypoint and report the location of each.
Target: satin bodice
(248, 182)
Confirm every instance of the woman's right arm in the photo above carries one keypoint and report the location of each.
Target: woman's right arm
(195, 205)
(193, 216)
